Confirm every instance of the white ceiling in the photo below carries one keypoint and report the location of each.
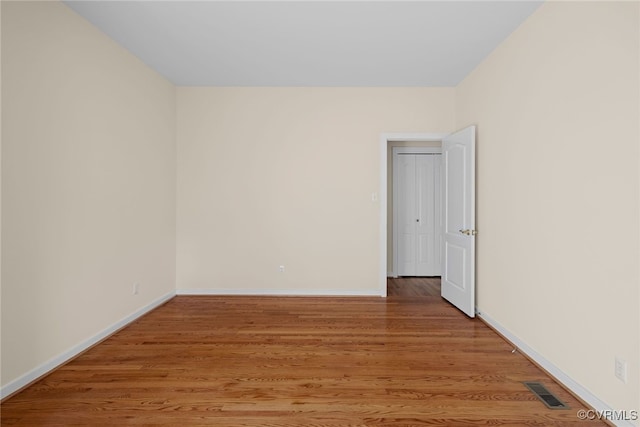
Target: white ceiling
(309, 43)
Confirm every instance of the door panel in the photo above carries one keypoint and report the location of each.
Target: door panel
(455, 255)
(407, 216)
(458, 216)
(455, 200)
(437, 241)
(425, 224)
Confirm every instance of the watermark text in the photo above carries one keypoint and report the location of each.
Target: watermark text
(608, 414)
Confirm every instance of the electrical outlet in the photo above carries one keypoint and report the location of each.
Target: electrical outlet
(281, 269)
(136, 288)
(621, 369)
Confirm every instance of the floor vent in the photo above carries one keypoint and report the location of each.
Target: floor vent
(545, 395)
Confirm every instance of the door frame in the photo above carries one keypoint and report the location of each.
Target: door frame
(384, 141)
(395, 152)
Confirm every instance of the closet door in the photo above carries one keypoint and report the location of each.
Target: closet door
(418, 215)
(407, 211)
(425, 215)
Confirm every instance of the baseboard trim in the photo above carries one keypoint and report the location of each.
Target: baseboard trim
(42, 370)
(279, 292)
(573, 386)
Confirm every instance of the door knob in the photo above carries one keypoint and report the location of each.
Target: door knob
(469, 232)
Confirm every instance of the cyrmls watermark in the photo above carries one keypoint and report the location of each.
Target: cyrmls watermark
(608, 414)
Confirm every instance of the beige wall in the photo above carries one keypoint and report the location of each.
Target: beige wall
(284, 176)
(557, 109)
(88, 184)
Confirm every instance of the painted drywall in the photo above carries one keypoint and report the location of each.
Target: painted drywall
(557, 110)
(285, 176)
(88, 184)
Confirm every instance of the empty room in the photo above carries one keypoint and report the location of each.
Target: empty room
(320, 213)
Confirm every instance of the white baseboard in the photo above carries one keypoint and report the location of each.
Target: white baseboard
(279, 292)
(584, 394)
(53, 363)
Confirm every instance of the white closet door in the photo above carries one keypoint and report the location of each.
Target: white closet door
(437, 241)
(418, 215)
(407, 218)
(425, 215)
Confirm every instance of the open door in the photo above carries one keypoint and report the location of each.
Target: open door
(458, 219)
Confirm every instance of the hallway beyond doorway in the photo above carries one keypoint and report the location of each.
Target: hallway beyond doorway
(413, 287)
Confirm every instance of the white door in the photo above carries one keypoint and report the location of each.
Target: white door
(407, 207)
(458, 215)
(427, 195)
(418, 229)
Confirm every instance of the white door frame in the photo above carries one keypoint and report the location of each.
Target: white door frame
(395, 152)
(385, 138)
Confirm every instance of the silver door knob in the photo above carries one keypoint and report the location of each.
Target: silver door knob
(469, 232)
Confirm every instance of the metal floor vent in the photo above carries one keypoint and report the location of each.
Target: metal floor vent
(545, 395)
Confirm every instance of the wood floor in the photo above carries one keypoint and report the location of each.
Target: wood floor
(413, 287)
(295, 362)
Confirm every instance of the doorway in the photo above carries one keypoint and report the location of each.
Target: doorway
(458, 214)
(416, 211)
(387, 142)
